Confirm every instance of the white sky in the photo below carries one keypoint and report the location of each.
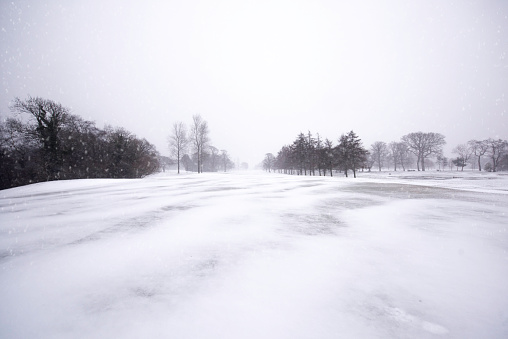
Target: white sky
(260, 72)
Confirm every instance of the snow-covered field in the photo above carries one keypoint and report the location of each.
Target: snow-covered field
(254, 255)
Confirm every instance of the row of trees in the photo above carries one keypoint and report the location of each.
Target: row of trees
(413, 149)
(203, 157)
(495, 150)
(420, 147)
(308, 154)
(43, 141)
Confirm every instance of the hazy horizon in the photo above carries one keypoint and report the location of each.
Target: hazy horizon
(262, 72)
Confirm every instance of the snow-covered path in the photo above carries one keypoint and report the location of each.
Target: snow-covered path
(253, 256)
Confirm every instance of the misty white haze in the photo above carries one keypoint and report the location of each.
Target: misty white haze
(261, 72)
(409, 253)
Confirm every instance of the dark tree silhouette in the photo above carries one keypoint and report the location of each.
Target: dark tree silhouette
(351, 152)
(49, 118)
(479, 148)
(497, 149)
(464, 154)
(55, 144)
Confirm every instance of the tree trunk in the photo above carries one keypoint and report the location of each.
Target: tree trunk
(199, 161)
(178, 160)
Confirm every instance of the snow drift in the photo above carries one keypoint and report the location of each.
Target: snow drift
(256, 256)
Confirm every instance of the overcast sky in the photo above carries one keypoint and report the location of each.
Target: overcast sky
(260, 72)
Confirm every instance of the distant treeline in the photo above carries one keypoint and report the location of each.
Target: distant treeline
(310, 154)
(53, 144)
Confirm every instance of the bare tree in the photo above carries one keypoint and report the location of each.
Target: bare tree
(226, 161)
(370, 160)
(403, 154)
(497, 148)
(478, 148)
(443, 162)
(269, 162)
(379, 153)
(178, 142)
(214, 158)
(463, 155)
(199, 137)
(395, 157)
(439, 160)
(424, 145)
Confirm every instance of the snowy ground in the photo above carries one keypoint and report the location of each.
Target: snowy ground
(390, 255)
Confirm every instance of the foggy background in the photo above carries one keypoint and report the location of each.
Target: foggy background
(260, 72)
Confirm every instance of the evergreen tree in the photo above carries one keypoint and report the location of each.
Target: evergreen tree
(351, 152)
